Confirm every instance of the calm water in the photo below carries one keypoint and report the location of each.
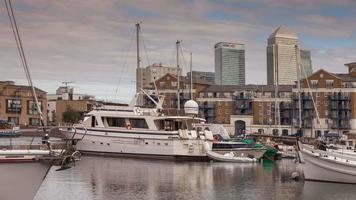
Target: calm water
(122, 178)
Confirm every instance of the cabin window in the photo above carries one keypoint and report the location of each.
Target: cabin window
(116, 122)
(93, 121)
(138, 123)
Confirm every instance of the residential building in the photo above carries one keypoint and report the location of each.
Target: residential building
(305, 64)
(168, 87)
(282, 53)
(65, 93)
(229, 64)
(328, 103)
(206, 76)
(17, 104)
(248, 108)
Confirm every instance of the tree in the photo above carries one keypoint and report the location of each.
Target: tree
(71, 116)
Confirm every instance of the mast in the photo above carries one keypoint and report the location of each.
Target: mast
(178, 95)
(138, 44)
(138, 60)
(191, 75)
(299, 89)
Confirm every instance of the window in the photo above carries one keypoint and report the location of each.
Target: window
(116, 122)
(138, 123)
(34, 121)
(314, 84)
(32, 107)
(329, 83)
(14, 120)
(13, 106)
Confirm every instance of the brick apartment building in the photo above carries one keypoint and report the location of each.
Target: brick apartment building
(17, 104)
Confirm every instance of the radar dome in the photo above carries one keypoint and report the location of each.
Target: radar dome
(191, 108)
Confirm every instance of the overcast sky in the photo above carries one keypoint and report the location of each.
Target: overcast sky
(92, 42)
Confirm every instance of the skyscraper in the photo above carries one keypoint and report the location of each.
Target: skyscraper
(305, 63)
(282, 57)
(229, 64)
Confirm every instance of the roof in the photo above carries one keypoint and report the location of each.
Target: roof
(21, 87)
(350, 64)
(346, 77)
(232, 88)
(284, 32)
(196, 80)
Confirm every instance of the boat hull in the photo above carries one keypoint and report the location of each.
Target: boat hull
(244, 152)
(318, 168)
(142, 146)
(21, 178)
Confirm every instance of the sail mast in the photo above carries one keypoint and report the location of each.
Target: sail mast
(191, 75)
(178, 95)
(299, 89)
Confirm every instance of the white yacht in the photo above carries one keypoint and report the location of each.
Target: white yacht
(326, 166)
(144, 132)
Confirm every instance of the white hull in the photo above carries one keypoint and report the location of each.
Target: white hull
(21, 180)
(316, 166)
(229, 158)
(138, 144)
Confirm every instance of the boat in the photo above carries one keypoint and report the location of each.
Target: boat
(8, 129)
(141, 132)
(240, 149)
(230, 157)
(320, 165)
(23, 167)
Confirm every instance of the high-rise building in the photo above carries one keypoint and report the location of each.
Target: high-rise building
(229, 64)
(282, 57)
(146, 76)
(305, 63)
(207, 76)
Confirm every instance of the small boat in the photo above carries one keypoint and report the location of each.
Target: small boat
(229, 157)
(240, 149)
(320, 165)
(8, 129)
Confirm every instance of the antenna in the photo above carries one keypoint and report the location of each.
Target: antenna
(67, 82)
(191, 75)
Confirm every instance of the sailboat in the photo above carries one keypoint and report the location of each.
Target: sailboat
(22, 170)
(320, 164)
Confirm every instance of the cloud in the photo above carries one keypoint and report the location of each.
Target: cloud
(93, 43)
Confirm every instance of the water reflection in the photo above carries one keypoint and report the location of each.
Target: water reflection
(123, 178)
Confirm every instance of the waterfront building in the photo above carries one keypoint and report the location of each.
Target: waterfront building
(248, 108)
(305, 63)
(329, 97)
(282, 57)
(207, 76)
(17, 104)
(229, 63)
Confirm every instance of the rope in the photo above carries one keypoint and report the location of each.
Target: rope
(15, 31)
(124, 66)
(144, 47)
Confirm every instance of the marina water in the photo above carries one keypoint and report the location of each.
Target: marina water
(105, 178)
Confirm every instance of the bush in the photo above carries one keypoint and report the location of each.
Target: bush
(71, 116)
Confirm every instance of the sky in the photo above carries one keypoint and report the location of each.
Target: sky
(92, 43)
